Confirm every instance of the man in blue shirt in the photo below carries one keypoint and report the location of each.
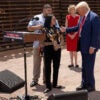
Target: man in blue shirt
(36, 26)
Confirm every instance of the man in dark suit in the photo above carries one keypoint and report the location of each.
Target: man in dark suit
(89, 32)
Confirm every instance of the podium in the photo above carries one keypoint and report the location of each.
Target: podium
(24, 37)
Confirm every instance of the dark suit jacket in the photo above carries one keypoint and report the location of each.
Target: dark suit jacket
(90, 34)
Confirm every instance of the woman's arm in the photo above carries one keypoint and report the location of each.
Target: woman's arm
(66, 23)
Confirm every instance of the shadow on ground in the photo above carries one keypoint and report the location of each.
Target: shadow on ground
(76, 69)
(14, 54)
(91, 96)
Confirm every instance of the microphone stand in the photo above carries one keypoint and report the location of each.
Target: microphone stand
(26, 96)
(21, 20)
(25, 19)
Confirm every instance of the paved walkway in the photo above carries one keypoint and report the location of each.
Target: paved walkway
(69, 78)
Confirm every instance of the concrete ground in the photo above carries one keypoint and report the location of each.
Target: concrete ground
(69, 78)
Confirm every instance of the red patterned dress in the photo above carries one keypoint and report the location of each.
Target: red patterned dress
(72, 43)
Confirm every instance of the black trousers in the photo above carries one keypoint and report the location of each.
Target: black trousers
(51, 56)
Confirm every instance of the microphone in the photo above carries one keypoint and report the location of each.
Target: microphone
(26, 19)
(35, 18)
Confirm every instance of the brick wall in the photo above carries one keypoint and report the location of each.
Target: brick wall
(15, 10)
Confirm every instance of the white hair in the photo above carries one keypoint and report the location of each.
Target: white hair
(70, 7)
(83, 4)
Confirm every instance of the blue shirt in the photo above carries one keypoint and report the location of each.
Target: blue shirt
(34, 23)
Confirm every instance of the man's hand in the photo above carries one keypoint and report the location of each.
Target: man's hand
(91, 50)
(63, 29)
(33, 28)
(39, 27)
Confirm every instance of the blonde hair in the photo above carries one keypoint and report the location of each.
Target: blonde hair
(83, 4)
(70, 7)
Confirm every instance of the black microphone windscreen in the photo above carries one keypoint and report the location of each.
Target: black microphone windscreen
(35, 18)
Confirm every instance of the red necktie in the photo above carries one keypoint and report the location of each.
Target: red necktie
(81, 25)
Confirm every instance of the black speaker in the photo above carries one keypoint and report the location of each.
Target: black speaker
(10, 82)
(77, 95)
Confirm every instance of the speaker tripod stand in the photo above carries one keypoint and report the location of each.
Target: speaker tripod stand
(26, 96)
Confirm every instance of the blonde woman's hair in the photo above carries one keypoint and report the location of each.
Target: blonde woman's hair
(83, 4)
(70, 7)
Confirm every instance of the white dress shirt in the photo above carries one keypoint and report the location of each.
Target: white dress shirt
(34, 23)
